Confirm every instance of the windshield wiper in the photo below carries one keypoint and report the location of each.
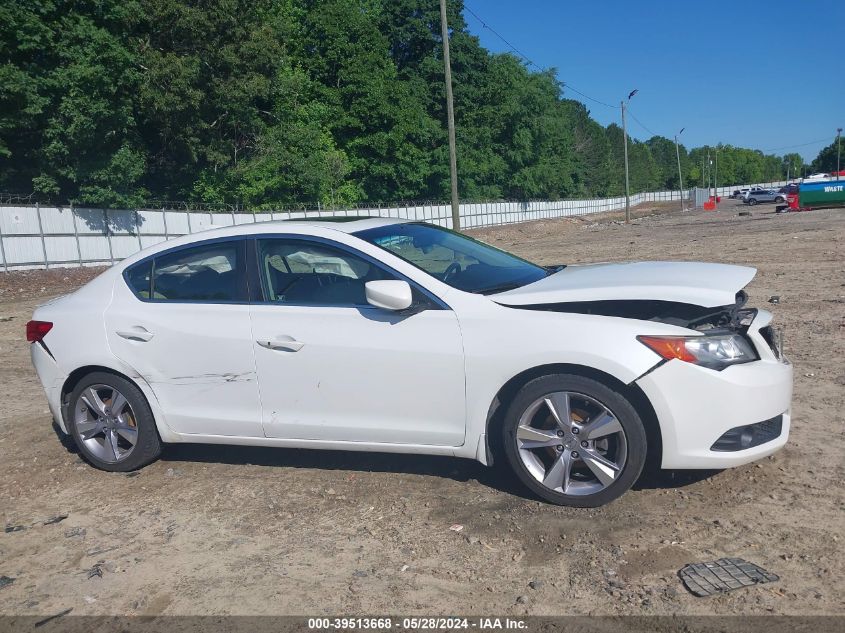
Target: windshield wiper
(494, 289)
(551, 270)
(510, 285)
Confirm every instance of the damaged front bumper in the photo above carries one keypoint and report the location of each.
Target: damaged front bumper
(696, 407)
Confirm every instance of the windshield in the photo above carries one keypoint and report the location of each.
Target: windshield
(455, 259)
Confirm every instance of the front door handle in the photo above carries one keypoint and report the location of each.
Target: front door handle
(287, 343)
(136, 333)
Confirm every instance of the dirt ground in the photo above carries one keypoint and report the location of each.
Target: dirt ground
(219, 530)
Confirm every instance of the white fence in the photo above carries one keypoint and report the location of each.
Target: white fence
(51, 237)
(727, 191)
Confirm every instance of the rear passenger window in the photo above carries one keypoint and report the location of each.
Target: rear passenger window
(204, 273)
(211, 272)
(139, 278)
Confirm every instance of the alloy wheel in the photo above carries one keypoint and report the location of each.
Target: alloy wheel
(571, 443)
(106, 423)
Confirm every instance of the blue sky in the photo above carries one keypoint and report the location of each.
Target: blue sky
(751, 73)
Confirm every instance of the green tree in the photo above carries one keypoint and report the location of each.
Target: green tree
(213, 81)
(591, 153)
(666, 157)
(66, 90)
(373, 118)
(643, 171)
(826, 159)
(793, 165)
(272, 102)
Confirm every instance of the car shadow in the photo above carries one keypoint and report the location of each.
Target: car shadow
(65, 440)
(665, 479)
(497, 477)
(457, 469)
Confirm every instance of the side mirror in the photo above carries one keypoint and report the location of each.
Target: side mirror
(389, 294)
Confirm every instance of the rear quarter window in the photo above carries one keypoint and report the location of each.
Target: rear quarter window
(139, 278)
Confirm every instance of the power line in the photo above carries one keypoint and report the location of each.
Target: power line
(530, 62)
(566, 85)
(511, 46)
(641, 124)
(774, 149)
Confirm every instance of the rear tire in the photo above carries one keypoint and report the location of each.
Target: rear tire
(117, 440)
(779, 199)
(570, 424)
(752, 201)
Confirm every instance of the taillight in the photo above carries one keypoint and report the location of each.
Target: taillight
(37, 330)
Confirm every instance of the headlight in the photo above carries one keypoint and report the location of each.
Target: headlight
(715, 351)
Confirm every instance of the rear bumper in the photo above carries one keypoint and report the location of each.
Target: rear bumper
(695, 406)
(51, 379)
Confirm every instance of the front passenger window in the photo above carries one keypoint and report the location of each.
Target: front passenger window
(301, 272)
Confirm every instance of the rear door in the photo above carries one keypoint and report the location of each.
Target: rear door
(181, 320)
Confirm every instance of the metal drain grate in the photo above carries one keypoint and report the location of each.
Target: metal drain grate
(725, 574)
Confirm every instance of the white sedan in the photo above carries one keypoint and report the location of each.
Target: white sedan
(395, 336)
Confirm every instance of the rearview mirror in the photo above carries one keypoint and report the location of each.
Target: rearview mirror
(389, 294)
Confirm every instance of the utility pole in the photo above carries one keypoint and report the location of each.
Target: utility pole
(680, 175)
(715, 174)
(838, 149)
(627, 181)
(450, 115)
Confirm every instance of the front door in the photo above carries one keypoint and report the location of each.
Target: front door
(332, 367)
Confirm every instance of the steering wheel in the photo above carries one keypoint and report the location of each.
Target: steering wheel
(327, 279)
(453, 269)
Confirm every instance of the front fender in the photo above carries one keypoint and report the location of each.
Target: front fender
(506, 342)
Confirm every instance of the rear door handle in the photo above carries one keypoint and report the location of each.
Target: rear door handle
(136, 333)
(287, 343)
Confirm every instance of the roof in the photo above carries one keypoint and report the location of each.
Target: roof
(350, 224)
(216, 231)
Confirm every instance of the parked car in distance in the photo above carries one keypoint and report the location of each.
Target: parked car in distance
(739, 193)
(755, 196)
(399, 336)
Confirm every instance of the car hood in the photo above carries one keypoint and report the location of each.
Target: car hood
(696, 283)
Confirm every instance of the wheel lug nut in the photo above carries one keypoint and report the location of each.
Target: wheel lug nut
(559, 448)
(575, 430)
(560, 433)
(574, 454)
(584, 444)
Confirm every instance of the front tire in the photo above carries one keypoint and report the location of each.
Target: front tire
(752, 201)
(112, 423)
(574, 441)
